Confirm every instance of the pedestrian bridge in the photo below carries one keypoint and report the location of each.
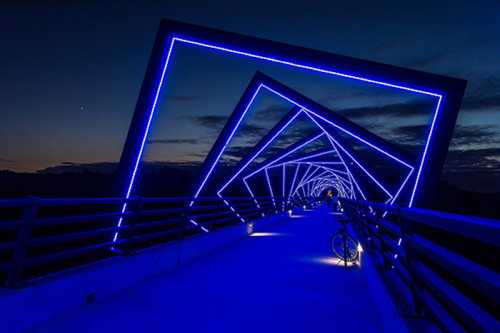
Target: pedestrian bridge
(276, 273)
(250, 249)
(281, 279)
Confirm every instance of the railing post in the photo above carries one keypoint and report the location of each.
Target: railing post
(124, 248)
(30, 211)
(364, 220)
(411, 258)
(378, 235)
(186, 220)
(132, 223)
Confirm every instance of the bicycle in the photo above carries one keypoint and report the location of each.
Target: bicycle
(345, 246)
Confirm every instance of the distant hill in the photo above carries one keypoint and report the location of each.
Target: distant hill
(69, 167)
(97, 179)
(176, 179)
(454, 200)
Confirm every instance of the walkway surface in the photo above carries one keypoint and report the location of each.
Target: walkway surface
(280, 280)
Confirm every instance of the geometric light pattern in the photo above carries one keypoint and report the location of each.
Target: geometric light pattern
(445, 91)
(322, 118)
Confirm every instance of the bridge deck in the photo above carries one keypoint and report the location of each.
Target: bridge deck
(283, 280)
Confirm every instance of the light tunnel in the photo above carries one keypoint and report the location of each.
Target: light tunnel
(291, 175)
(335, 165)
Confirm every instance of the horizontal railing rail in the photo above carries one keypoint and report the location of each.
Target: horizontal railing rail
(40, 236)
(446, 264)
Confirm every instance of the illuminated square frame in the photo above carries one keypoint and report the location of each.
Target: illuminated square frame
(317, 114)
(308, 177)
(448, 92)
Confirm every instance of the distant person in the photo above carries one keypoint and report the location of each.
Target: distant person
(329, 196)
(336, 203)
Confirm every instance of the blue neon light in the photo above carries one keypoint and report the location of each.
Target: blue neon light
(275, 60)
(335, 172)
(352, 158)
(364, 170)
(283, 156)
(144, 136)
(350, 172)
(308, 114)
(271, 190)
(258, 152)
(225, 144)
(293, 182)
(329, 170)
(340, 128)
(436, 113)
(283, 188)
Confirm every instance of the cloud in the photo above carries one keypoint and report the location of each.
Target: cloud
(476, 134)
(216, 123)
(485, 86)
(332, 97)
(238, 151)
(252, 131)
(6, 160)
(233, 154)
(410, 134)
(271, 113)
(174, 141)
(210, 121)
(252, 134)
(398, 110)
(198, 155)
(110, 167)
(294, 135)
(171, 164)
(72, 167)
(473, 103)
(415, 108)
(463, 135)
(475, 169)
(473, 160)
(481, 103)
(284, 141)
(484, 98)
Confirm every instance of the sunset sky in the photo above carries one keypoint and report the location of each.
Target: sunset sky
(72, 70)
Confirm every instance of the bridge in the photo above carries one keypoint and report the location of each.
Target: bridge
(322, 232)
(418, 270)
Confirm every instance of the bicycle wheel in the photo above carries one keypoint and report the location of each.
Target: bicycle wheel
(344, 247)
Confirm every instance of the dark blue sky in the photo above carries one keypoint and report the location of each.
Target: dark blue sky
(71, 74)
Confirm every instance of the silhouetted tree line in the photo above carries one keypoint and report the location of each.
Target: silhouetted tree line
(179, 180)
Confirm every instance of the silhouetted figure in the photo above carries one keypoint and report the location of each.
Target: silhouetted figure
(335, 203)
(329, 196)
